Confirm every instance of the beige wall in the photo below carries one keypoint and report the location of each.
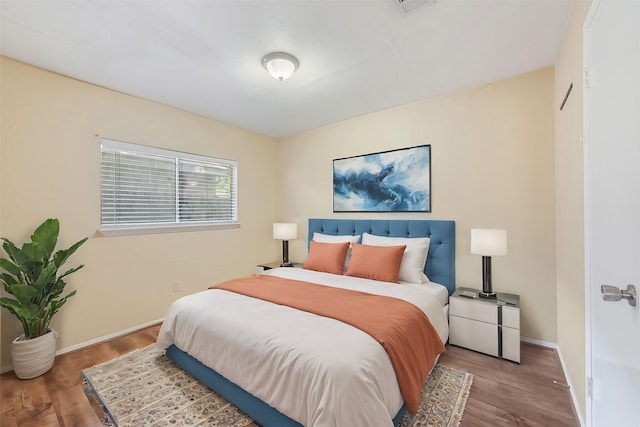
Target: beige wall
(570, 203)
(50, 168)
(492, 166)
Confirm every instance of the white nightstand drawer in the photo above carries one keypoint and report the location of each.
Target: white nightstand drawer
(473, 309)
(510, 317)
(511, 344)
(478, 336)
(487, 325)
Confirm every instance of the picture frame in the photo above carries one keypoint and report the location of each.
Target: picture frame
(388, 181)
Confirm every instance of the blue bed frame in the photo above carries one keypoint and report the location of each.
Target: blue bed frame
(440, 268)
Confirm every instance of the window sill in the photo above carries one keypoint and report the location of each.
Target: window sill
(161, 229)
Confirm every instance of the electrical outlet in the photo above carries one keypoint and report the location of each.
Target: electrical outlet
(176, 286)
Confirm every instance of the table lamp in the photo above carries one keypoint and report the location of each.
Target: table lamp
(285, 231)
(488, 242)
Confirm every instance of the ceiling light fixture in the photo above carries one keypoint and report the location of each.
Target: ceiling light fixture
(280, 65)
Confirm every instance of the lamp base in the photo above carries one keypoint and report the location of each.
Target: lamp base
(487, 292)
(487, 295)
(287, 264)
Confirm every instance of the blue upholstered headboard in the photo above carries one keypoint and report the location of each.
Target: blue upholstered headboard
(441, 262)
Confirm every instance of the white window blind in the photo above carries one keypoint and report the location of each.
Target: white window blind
(146, 187)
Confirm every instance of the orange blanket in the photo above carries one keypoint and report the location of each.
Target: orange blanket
(400, 327)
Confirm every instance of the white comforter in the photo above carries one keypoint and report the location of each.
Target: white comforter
(318, 371)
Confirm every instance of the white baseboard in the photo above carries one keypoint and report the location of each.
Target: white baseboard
(573, 395)
(98, 340)
(541, 343)
(555, 346)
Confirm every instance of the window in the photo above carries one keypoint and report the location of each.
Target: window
(143, 187)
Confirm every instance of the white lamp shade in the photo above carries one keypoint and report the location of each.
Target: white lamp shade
(488, 241)
(285, 230)
(280, 65)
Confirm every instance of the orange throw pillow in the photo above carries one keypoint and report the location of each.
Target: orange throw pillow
(327, 257)
(376, 262)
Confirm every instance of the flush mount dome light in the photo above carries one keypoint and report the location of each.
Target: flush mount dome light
(280, 65)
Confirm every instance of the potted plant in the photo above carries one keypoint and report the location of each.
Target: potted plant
(30, 274)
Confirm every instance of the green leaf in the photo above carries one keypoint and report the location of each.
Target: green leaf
(61, 256)
(27, 250)
(72, 270)
(10, 304)
(7, 265)
(26, 313)
(21, 260)
(52, 291)
(57, 304)
(23, 293)
(8, 280)
(44, 239)
(46, 277)
(30, 313)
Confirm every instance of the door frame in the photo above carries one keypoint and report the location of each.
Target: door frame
(586, 61)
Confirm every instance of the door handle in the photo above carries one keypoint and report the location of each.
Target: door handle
(613, 293)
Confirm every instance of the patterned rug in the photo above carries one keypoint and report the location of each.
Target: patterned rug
(145, 388)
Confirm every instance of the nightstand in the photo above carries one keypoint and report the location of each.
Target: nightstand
(487, 325)
(275, 264)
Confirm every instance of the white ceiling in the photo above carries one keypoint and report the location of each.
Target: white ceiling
(356, 56)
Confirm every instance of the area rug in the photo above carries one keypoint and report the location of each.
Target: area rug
(145, 388)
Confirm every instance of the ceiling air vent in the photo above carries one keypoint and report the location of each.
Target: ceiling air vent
(408, 6)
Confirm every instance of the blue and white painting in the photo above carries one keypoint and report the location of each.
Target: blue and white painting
(391, 181)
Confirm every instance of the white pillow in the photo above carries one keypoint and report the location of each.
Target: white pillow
(329, 238)
(415, 255)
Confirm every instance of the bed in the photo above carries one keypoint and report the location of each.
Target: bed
(287, 367)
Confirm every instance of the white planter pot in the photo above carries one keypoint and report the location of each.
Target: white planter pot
(33, 357)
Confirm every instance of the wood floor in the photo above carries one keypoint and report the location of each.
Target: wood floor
(503, 393)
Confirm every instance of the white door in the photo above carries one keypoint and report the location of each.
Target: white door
(612, 208)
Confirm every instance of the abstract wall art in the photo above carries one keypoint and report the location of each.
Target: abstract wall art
(390, 181)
